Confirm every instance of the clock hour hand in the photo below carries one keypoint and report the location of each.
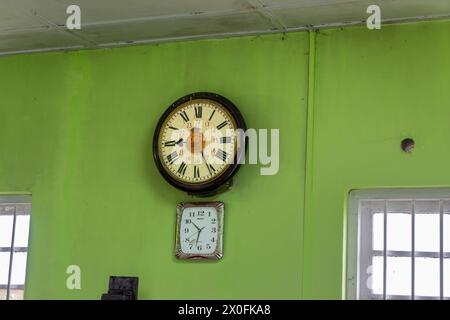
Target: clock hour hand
(196, 226)
(180, 141)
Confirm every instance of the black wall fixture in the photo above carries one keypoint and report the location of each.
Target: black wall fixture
(122, 288)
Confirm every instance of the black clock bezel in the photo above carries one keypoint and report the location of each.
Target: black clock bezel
(215, 184)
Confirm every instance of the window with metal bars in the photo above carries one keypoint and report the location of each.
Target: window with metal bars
(15, 214)
(399, 244)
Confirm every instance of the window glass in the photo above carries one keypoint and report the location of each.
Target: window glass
(446, 232)
(15, 213)
(375, 281)
(398, 277)
(399, 232)
(18, 268)
(447, 278)
(6, 226)
(403, 233)
(4, 267)
(378, 231)
(427, 280)
(22, 229)
(427, 232)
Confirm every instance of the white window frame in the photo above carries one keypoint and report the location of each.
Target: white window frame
(359, 254)
(22, 206)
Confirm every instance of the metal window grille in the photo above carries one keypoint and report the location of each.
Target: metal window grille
(15, 213)
(399, 244)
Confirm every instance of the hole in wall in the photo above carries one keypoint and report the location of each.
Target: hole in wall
(408, 145)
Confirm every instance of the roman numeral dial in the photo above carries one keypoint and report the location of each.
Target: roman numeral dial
(197, 141)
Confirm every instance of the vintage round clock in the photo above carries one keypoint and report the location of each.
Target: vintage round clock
(199, 143)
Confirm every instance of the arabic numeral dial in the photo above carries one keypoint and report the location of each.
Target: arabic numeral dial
(199, 231)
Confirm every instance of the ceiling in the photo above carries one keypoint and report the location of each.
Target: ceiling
(39, 25)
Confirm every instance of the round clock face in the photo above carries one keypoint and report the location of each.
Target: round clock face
(197, 142)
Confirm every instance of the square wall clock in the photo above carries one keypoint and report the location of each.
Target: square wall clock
(199, 230)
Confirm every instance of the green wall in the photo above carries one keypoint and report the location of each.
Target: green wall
(76, 129)
(372, 89)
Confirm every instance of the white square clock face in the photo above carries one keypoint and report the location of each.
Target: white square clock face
(199, 230)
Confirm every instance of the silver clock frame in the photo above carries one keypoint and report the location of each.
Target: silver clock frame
(218, 251)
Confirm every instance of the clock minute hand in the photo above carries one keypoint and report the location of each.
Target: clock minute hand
(198, 235)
